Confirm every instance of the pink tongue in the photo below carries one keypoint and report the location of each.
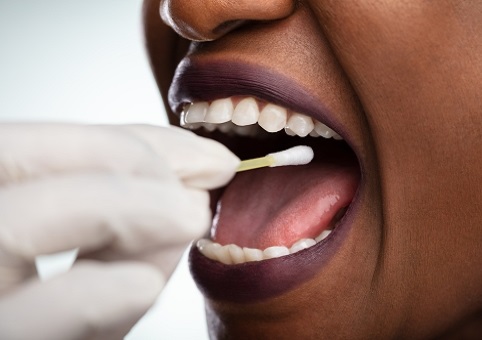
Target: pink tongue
(279, 206)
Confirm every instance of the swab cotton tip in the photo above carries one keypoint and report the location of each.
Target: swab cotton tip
(297, 155)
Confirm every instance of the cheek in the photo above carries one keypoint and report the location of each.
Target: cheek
(417, 67)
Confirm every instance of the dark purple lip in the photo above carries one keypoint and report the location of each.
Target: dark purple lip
(201, 80)
(197, 80)
(255, 281)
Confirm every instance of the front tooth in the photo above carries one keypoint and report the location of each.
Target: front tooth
(275, 251)
(246, 112)
(302, 244)
(251, 254)
(208, 248)
(196, 112)
(272, 118)
(220, 111)
(223, 255)
(324, 234)
(237, 254)
(314, 134)
(300, 124)
(323, 130)
(289, 132)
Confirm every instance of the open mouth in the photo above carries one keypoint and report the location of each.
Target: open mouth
(281, 213)
(273, 228)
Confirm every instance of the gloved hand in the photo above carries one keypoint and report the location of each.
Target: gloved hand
(129, 197)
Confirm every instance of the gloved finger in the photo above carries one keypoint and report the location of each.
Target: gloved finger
(165, 259)
(36, 150)
(92, 301)
(91, 212)
(204, 163)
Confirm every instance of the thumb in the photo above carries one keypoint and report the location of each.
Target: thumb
(93, 300)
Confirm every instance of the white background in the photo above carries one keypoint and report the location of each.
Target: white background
(84, 61)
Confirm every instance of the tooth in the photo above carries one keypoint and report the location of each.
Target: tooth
(187, 125)
(324, 234)
(272, 118)
(220, 111)
(302, 244)
(226, 128)
(300, 124)
(314, 134)
(237, 254)
(337, 136)
(208, 248)
(289, 132)
(244, 130)
(251, 254)
(209, 127)
(196, 112)
(323, 130)
(275, 251)
(223, 255)
(246, 112)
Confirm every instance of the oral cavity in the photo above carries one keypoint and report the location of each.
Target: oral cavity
(234, 254)
(270, 213)
(248, 116)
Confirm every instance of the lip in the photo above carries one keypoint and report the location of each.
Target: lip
(206, 80)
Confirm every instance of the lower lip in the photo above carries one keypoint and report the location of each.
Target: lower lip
(256, 281)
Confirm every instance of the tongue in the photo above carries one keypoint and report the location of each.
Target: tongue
(279, 206)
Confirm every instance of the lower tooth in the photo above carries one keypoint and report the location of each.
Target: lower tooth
(233, 254)
(224, 256)
(275, 251)
(302, 244)
(253, 254)
(237, 254)
(208, 248)
(323, 235)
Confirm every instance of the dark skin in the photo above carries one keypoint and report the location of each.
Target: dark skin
(404, 78)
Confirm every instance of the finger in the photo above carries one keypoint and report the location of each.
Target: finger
(199, 162)
(122, 213)
(165, 259)
(92, 301)
(36, 150)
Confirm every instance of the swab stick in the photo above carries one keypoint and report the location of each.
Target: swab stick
(297, 155)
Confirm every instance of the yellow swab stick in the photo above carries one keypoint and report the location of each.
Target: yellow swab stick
(297, 155)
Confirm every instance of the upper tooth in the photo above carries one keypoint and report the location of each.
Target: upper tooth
(272, 118)
(289, 132)
(323, 130)
(196, 112)
(220, 111)
(300, 124)
(246, 112)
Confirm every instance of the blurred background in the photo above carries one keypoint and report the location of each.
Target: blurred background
(84, 62)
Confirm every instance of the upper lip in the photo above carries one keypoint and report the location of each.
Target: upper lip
(197, 79)
(200, 80)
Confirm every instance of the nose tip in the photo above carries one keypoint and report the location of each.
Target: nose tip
(203, 20)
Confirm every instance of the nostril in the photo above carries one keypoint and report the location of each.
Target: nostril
(227, 27)
(202, 20)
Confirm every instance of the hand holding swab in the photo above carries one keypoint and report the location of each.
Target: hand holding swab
(297, 155)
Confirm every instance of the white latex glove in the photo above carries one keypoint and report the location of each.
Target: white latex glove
(129, 197)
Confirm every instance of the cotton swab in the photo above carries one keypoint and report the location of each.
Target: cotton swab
(297, 155)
